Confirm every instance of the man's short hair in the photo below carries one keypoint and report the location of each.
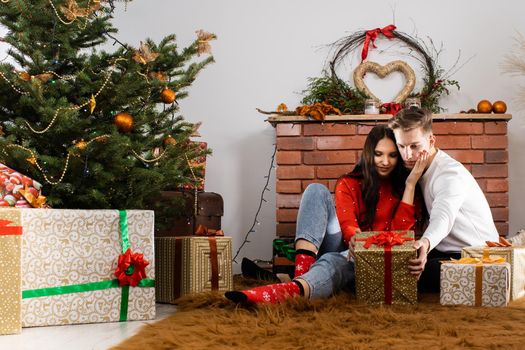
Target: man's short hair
(410, 118)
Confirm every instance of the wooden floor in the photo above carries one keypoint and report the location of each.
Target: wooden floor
(96, 336)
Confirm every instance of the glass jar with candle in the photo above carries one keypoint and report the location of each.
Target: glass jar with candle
(371, 106)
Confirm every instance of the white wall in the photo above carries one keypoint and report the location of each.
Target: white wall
(266, 50)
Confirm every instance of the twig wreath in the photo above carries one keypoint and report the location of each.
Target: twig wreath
(329, 94)
(434, 82)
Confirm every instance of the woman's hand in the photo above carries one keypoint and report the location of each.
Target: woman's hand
(418, 169)
(351, 245)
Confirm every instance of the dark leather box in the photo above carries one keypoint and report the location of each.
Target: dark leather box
(188, 214)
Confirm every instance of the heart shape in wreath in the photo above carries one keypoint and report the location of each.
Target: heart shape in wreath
(383, 71)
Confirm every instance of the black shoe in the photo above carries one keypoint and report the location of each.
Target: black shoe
(252, 270)
(236, 297)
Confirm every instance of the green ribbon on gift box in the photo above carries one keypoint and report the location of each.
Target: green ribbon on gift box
(281, 247)
(87, 287)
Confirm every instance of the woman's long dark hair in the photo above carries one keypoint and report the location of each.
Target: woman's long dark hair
(366, 170)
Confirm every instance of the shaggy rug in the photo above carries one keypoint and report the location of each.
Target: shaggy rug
(209, 321)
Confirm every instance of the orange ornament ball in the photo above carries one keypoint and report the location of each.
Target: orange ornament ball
(168, 96)
(124, 122)
(170, 140)
(484, 106)
(499, 107)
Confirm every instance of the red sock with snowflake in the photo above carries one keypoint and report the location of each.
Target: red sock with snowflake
(304, 259)
(270, 294)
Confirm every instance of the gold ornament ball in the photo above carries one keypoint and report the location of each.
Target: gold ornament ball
(167, 96)
(170, 140)
(484, 106)
(499, 107)
(124, 122)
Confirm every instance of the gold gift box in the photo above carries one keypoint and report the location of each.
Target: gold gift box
(513, 255)
(370, 271)
(184, 266)
(62, 249)
(10, 274)
(475, 284)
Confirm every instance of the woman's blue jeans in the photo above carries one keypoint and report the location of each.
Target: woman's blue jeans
(318, 224)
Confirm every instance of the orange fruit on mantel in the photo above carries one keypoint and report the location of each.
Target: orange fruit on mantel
(484, 106)
(499, 107)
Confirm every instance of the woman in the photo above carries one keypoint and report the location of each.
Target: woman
(376, 196)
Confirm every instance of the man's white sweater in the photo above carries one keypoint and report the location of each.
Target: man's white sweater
(460, 215)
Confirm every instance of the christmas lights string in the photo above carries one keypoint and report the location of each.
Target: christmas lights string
(261, 200)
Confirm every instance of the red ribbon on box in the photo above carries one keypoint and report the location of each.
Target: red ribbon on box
(386, 239)
(9, 230)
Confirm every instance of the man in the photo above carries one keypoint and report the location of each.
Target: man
(460, 215)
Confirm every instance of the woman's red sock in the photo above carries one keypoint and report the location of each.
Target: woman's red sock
(270, 294)
(304, 259)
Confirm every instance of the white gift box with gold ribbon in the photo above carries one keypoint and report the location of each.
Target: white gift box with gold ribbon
(515, 256)
(475, 282)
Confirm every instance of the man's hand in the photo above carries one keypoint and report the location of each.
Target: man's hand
(417, 265)
(351, 245)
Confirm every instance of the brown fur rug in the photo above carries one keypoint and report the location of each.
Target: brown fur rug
(209, 321)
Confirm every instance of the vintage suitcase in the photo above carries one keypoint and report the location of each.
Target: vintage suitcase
(187, 213)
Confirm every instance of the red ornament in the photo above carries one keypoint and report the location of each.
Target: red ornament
(131, 268)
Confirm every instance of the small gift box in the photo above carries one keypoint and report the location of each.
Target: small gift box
(381, 267)
(17, 190)
(192, 264)
(283, 260)
(475, 282)
(10, 273)
(515, 256)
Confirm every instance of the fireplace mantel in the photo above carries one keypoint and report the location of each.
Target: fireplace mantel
(311, 151)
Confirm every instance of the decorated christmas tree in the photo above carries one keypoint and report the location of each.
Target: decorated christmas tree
(98, 129)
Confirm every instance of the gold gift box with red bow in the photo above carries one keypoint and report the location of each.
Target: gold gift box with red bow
(381, 267)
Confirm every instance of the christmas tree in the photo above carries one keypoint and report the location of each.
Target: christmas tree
(98, 129)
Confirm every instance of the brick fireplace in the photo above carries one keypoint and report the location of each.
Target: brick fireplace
(311, 151)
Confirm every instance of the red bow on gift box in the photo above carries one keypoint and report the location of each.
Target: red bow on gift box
(131, 268)
(204, 231)
(385, 239)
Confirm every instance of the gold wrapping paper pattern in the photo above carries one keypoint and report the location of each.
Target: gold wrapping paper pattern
(68, 247)
(513, 255)
(370, 272)
(195, 269)
(458, 284)
(10, 278)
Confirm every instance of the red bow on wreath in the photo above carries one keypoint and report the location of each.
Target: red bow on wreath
(391, 108)
(131, 268)
(371, 36)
